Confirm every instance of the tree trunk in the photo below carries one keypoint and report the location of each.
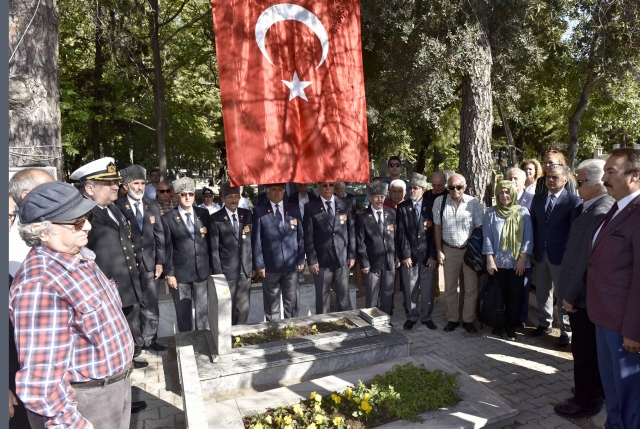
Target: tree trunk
(158, 89)
(422, 154)
(97, 84)
(574, 121)
(513, 157)
(476, 114)
(34, 85)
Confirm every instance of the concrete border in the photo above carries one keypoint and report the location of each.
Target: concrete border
(194, 416)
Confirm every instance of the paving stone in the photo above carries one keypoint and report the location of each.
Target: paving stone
(168, 422)
(526, 417)
(169, 410)
(554, 421)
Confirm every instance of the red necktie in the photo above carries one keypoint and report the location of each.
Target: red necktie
(609, 216)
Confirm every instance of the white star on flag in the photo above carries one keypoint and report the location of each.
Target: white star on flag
(297, 87)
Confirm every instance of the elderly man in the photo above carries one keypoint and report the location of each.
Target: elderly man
(302, 196)
(456, 216)
(613, 290)
(330, 245)
(187, 257)
(438, 186)
(278, 252)
(147, 236)
(19, 186)
(207, 201)
(572, 287)
(376, 249)
(518, 177)
(231, 250)
(397, 192)
(152, 187)
(340, 189)
(74, 345)
(165, 201)
(552, 214)
(417, 252)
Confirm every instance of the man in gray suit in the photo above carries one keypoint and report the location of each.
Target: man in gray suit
(572, 288)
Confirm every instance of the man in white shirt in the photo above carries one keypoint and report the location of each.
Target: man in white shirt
(207, 201)
(302, 196)
(150, 189)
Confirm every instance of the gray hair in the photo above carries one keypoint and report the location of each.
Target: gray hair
(30, 232)
(398, 183)
(339, 185)
(594, 170)
(25, 180)
(516, 170)
(457, 176)
(565, 171)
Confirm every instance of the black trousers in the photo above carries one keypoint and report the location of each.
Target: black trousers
(585, 359)
(512, 287)
(132, 314)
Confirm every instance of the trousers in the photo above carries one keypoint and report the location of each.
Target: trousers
(380, 284)
(419, 280)
(547, 275)
(273, 286)
(454, 260)
(322, 282)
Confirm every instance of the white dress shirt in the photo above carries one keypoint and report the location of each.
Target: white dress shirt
(132, 204)
(333, 203)
(302, 201)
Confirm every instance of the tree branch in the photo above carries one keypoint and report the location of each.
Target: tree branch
(168, 39)
(162, 24)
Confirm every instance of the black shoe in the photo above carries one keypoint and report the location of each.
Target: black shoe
(497, 331)
(408, 325)
(563, 341)
(519, 325)
(573, 410)
(430, 325)
(539, 331)
(139, 364)
(469, 327)
(138, 406)
(155, 347)
(136, 351)
(451, 326)
(511, 334)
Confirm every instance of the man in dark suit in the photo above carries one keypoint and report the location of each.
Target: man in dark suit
(340, 189)
(613, 290)
(376, 247)
(417, 252)
(572, 287)
(187, 256)
(110, 240)
(302, 196)
(231, 250)
(147, 236)
(330, 245)
(552, 214)
(278, 252)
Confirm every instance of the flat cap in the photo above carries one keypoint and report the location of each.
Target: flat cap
(184, 184)
(100, 169)
(377, 188)
(207, 191)
(133, 172)
(54, 201)
(418, 180)
(227, 189)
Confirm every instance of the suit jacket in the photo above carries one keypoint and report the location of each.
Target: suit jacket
(294, 198)
(148, 244)
(329, 241)
(274, 250)
(565, 211)
(571, 285)
(351, 199)
(416, 240)
(525, 200)
(613, 274)
(187, 258)
(115, 253)
(231, 254)
(375, 249)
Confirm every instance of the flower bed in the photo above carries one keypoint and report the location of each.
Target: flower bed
(401, 394)
(291, 331)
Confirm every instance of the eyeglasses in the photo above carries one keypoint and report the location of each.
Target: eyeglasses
(187, 194)
(456, 187)
(580, 182)
(394, 164)
(163, 191)
(78, 223)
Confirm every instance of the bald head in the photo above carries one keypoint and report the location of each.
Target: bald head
(25, 180)
(438, 182)
(457, 179)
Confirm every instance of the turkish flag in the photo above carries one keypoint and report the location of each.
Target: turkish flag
(292, 90)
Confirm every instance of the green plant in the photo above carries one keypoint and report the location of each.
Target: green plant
(239, 342)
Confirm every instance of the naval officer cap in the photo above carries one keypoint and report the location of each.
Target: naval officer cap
(54, 201)
(418, 180)
(133, 172)
(377, 188)
(103, 169)
(226, 189)
(207, 191)
(184, 184)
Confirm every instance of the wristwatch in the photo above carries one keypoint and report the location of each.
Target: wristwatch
(167, 277)
(524, 258)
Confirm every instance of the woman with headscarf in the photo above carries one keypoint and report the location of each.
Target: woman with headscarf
(507, 243)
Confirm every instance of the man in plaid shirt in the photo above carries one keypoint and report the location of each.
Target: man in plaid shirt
(74, 345)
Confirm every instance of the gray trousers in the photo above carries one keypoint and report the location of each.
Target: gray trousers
(547, 276)
(381, 283)
(187, 293)
(419, 279)
(323, 281)
(149, 315)
(240, 289)
(106, 407)
(276, 284)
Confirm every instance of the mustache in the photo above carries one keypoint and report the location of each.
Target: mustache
(607, 185)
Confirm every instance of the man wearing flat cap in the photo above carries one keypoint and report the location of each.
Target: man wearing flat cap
(75, 347)
(207, 201)
(376, 250)
(231, 230)
(417, 252)
(147, 235)
(278, 252)
(188, 256)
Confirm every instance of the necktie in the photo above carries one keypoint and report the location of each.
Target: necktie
(550, 207)
(329, 209)
(609, 216)
(279, 218)
(380, 222)
(138, 215)
(235, 224)
(190, 225)
(416, 208)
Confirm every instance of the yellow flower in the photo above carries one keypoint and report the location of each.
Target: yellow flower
(311, 426)
(279, 420)
(318, 398)
(348, 392)
(313, 328)
(287, 332)
(365, 407)
(337, 421)
(268, 419)
(297, 408)
(319, 418)
(312, 395)
(357, 399)
(366, 397)
(288, 427)
(258, 426)
(316, 408)
(336, 398)
(287, 420)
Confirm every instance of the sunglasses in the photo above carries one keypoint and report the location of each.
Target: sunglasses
(78, 223)
(163, 191)
(187, 194)
(580, 182)
(394, 164)
(456, 187)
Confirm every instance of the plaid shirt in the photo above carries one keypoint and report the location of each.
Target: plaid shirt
(459, 220)
(164, 208)
(69, 327)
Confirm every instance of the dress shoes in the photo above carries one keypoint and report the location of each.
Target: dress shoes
(519, 325)
(573, 410)
(539, 331)
(408, 325)
(497, 331)
(138, 406)
(511, 334)
(136, 351)
(451, 326)
(429, 324)
(156, 347)
(139, 364)
(563, 341)
(469, 327)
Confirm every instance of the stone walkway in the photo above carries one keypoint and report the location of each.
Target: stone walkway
(530, 373)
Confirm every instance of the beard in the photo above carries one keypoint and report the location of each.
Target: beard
(415, 198)
(136, 195)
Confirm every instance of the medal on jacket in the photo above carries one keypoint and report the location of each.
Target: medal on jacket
(343, 218)
(389, 229)
(203, 231)
(294, 223)
(152, 219)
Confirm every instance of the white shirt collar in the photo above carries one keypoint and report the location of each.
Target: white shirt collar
(132, 202)
(333, 201)
(230, 213)
(557, 194)
(626, 200)
(587, 204)
(183, 211)
(280, 207)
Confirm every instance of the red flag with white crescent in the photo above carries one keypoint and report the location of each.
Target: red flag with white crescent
(292, 89)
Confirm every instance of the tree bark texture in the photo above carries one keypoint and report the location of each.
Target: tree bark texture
(476, 114)
(513, 157)
(421, 162)
(34, 85)
(98, 70)
(574, 121)
(158, 89)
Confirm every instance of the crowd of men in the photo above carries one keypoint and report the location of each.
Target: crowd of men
(86, 267)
